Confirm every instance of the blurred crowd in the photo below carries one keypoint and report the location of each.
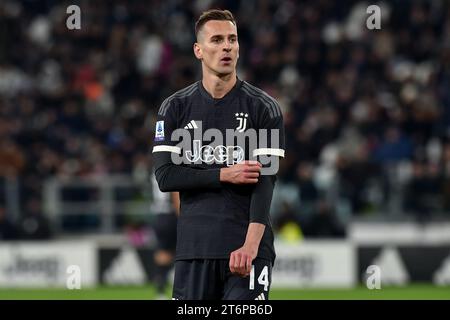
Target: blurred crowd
(367, 112)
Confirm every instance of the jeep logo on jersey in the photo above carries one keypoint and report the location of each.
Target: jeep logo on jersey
(229, 147)
(217, 154)
(242, 118)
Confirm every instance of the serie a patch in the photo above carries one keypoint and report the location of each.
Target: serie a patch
(159, 131)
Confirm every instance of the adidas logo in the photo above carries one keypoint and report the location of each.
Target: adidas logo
(260, 297)
(125, 269)
(191, 125)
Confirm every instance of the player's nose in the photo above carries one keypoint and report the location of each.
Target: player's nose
(227, 46)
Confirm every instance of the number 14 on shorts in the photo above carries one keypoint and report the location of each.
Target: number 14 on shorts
(263, 278)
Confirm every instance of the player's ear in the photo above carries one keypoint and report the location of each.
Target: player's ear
(197, 51)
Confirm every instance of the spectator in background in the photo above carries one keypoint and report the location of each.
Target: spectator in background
(34, 225)
(12, 159)
(308, 192)
(288, 223)
(423, 192)
(286, 215)
(8, 230)
(446, 176)
(324, 223)
(138, 233)
(355, 170)
(395, 147)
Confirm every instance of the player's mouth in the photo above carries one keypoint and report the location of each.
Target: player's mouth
(226, 60)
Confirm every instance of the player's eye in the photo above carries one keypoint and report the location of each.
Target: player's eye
(216, 40)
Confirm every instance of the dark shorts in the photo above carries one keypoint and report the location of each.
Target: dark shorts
(212, 280)
(165, 226)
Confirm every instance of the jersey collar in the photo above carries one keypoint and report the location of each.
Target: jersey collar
(230, 94)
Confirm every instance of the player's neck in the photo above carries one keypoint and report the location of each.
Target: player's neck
(217, 86)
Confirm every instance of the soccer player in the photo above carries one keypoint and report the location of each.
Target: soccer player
(165, 207)
(224, 235)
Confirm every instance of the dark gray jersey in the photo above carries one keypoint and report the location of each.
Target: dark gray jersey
(214, 217)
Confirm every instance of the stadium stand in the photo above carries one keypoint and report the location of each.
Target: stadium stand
(367, 112)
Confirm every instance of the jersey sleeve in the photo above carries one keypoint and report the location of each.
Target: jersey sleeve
(269, 152)
(165, 124)
(271, 143)
(170, 176)
(261, 200)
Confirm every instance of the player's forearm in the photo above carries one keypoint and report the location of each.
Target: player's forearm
(261, 200)
(259, 211)
(175, 197)
(172, 177)
(255, 232)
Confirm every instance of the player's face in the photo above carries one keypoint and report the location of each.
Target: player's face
(218, 47)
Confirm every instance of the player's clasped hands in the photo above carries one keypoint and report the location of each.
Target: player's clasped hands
(246, 172)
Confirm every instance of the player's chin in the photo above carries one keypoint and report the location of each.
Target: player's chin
(225, 70)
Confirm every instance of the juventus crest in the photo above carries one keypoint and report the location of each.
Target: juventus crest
(242, 118)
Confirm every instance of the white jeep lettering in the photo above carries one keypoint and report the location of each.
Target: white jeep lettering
(219, 154)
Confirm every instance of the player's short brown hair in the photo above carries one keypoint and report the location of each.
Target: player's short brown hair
(213, 14)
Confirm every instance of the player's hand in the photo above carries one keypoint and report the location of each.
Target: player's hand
(241, 260)
(246, 172)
